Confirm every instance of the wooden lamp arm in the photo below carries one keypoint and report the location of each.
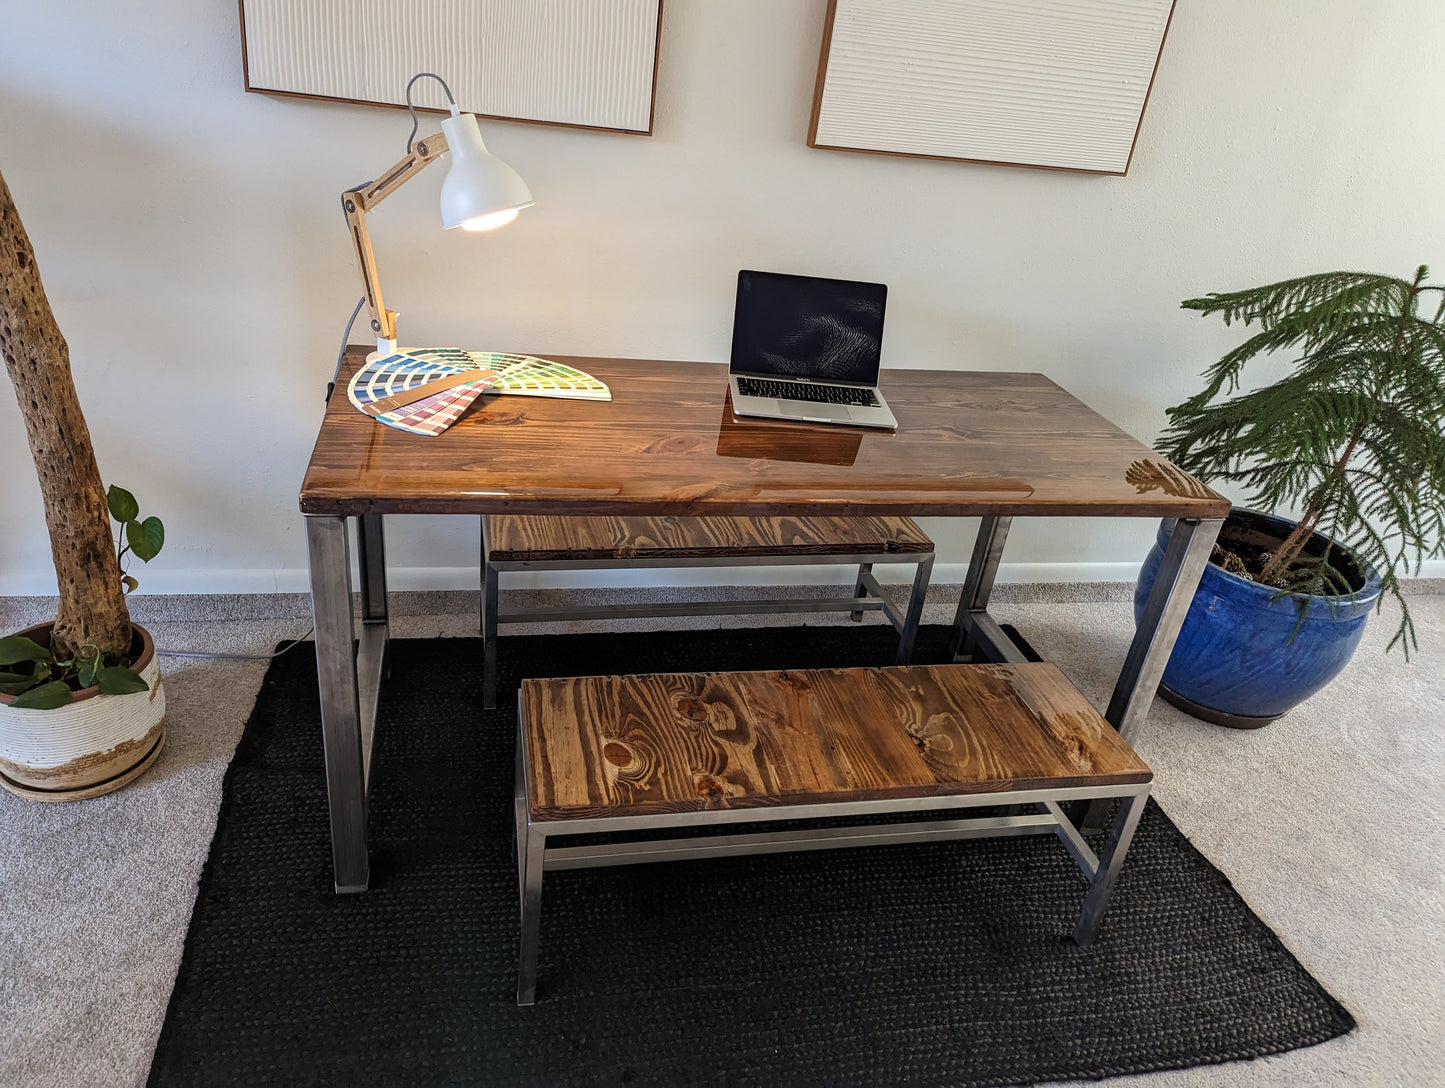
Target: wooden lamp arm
(357, 202)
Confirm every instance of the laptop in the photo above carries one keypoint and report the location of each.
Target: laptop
(808, 349)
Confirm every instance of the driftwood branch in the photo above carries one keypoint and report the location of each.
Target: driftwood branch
(92, 601)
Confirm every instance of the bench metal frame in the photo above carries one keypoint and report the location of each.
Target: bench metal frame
(868, 595)
(535, 857)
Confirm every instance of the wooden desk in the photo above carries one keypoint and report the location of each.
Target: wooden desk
(989, 445)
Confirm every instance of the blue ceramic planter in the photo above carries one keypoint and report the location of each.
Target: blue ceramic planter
(1234, 663)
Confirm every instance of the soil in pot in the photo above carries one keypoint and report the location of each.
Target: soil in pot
(1246, 546)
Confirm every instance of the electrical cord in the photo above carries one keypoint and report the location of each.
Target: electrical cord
(415, 121)
(236, 657)
(341, 355)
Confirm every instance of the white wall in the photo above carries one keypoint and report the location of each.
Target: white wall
(193, 249)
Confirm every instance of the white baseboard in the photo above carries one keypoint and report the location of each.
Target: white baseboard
(452, 578)
(801, 575)
(37, 583)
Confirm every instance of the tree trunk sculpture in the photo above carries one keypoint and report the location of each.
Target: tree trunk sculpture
(92, 601)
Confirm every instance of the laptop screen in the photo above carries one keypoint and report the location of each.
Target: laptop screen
(807, 327)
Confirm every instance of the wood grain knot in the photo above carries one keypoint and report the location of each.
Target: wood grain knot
(692, 708)
(933, 736)
(677, 443)
(798, 683)
(501, 419)
(617, 754)
(710, 789)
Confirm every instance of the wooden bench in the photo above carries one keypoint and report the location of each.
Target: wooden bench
(514, 543)
(666, 751)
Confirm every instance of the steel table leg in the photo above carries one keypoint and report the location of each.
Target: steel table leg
(371, 558)
(328, 552)
(978, 586)
(491, 591)
(1164, 613)
(1158, 627)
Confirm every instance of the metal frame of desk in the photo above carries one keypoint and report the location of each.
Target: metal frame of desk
(991, 409)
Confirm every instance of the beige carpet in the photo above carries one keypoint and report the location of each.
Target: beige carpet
(1329, 822)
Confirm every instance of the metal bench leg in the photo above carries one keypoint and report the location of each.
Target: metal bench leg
(519, 811)
(530, 846)
(1111, 860)
(909, 634)
(861, 590)
(490, 591)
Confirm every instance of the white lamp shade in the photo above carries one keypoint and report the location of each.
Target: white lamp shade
(480, 189)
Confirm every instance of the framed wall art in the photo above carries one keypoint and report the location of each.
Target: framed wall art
(1056, 84)
(585, 63)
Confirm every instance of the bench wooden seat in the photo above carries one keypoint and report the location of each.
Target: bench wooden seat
(525, 538)
(628, 753)
(529, 542)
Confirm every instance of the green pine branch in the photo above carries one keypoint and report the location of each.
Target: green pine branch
(1351, 438)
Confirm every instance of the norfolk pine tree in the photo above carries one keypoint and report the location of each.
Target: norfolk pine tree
(1352, 437)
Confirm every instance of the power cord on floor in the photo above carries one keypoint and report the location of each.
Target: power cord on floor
(236, 657)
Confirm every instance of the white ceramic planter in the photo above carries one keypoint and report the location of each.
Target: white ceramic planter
(95, 744)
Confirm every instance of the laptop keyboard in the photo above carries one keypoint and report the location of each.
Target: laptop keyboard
(826, 394)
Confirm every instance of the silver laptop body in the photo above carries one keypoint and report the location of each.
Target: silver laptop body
(807, 348)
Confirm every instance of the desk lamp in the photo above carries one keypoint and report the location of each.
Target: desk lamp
(480, 192)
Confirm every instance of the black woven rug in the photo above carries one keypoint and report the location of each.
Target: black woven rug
(940, 963)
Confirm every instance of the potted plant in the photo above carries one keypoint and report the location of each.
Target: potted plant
(81, 706)
(1351, 438)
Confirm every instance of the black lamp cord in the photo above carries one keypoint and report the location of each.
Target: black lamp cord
(236, 657)
(341, 355)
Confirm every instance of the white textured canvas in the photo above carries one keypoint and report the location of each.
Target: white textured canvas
(575, 62)
(1058, 83)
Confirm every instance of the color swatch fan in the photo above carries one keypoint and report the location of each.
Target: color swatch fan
(524, 375)
(426, 390)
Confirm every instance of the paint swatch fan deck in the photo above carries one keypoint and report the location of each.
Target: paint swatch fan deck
(426, 390)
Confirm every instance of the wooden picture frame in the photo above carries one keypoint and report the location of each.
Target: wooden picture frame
(589, 64)
(1044, 84)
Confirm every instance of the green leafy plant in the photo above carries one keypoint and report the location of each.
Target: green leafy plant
(1352, 437)
(48, 682)
(143, 539)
